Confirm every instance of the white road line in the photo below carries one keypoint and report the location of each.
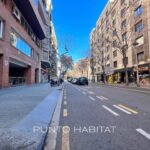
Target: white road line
(132, 90)
(102, 98)
(99, 97)
(84, 93)
(92, 98)
(127, 112)
(147, 135)
(111, 111)
(90, 92)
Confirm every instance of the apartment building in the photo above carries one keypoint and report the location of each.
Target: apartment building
(25, 41)
(54, 52)
(121, 37)
(46, 13)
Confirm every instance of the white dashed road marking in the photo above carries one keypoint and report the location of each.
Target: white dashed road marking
(102, 98)
(84, 93)
(90, 92)
(92, 98)
(111, 111)
(141, 131)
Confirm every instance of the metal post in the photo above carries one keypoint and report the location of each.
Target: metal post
(137, 70)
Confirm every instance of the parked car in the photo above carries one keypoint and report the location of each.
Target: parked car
(83, 81)
(69, 79)
(74, 81)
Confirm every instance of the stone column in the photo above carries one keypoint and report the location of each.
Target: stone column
(30, 75)
(4, 71)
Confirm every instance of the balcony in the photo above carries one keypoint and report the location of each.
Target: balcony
(31, 14)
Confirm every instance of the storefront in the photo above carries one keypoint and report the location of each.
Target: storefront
(144, 73)
(119, 76)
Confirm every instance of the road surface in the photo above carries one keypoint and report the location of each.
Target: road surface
(104, 118)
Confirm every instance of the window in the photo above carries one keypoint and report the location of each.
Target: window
(36, 3)
(114, 22)
(108, 57)
(115, 53)
(140, 56)
(140, 41)
(20, 44)
(139, 26)
(124, 24)
(114, 32)
(123, 12)
(107, 13)
(138, 11)
(124, 37)
(115, 64)
(1, 28)
(115, 43)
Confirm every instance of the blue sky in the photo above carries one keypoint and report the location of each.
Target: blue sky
(73, 21)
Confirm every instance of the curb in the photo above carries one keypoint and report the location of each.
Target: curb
(54, 122)
(126, 87)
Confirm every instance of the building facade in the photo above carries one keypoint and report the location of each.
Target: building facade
(121, 37)
(24, 27)
(54, 52)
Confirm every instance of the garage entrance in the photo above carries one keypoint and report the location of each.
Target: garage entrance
(17, 71)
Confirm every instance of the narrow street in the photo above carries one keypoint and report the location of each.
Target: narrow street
(105, 118)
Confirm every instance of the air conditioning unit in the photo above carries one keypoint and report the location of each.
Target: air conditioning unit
(17, 13)
(13, 39)
(33, 37)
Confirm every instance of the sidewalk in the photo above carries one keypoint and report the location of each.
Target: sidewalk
(23, 110)
(131, 86)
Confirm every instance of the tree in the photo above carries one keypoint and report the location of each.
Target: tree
(66, 63)
(83, 66)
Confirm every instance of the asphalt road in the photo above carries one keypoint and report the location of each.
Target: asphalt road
(104, 118)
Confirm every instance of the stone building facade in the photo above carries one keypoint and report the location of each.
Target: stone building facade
(121, 36)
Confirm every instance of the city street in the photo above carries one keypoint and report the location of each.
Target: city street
(104, 117)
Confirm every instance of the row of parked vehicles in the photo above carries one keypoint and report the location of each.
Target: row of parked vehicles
(78, 81)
